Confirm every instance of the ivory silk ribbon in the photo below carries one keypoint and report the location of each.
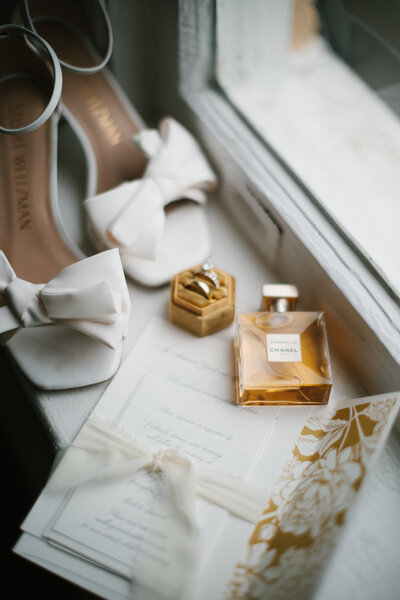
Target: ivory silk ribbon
(90, 296)
(131, 216)
(104, 451)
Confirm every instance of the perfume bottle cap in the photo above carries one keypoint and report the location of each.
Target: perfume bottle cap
(279, 297)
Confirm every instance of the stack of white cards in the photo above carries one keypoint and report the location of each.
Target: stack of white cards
(175, 391)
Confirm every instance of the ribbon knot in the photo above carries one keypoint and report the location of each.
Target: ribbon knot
(161, 458)
(77, 297)
(131, 216)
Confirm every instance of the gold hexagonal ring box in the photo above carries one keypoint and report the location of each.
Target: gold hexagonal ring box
(202, 299)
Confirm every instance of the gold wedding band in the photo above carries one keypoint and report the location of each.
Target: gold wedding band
(199, 287)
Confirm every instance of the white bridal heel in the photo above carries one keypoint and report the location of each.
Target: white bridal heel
(67, 332)
(146, 189)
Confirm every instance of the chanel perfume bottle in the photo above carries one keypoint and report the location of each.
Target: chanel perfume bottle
(282, 355)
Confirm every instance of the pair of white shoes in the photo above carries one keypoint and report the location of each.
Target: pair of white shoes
(69, 332)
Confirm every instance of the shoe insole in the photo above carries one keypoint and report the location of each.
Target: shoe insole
(94, 102)
(29, 236)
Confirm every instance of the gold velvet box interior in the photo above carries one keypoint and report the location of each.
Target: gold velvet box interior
(198, 314)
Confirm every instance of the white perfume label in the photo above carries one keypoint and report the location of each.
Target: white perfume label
(283, 347)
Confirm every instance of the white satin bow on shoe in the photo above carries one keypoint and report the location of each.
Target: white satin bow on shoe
(155, 245)
(55, 328)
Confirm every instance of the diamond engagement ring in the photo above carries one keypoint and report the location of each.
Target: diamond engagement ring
(207, 274)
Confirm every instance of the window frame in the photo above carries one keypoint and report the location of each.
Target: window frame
(272, 192)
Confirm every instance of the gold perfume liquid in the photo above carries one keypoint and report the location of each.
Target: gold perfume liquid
(282, 358)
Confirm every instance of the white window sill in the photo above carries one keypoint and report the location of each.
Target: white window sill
(234, 254)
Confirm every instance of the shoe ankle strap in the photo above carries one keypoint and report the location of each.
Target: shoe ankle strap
(95, 22)
(41, 50)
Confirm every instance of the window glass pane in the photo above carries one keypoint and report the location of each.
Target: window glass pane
(320, 81)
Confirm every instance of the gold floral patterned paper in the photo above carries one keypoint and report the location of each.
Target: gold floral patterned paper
(298, 530)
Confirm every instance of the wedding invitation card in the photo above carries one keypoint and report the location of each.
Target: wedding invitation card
(173, 392)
